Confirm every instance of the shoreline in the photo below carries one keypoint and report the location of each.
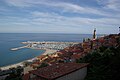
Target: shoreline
(15, 65)
(47, 51)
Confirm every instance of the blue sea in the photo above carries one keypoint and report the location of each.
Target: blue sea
(13, 40)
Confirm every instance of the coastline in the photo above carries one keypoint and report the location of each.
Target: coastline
(11, 66)
(47, 51)
(35, 38)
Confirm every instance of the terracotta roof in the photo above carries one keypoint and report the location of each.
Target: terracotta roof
(37, 63)
(41, 56)
(58, 70)
(76, 56)
(37, 78)
(26, 76)
(63, 51)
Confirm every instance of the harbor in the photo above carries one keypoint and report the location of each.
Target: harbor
(45, 45)
(50, 45)
(47, 42)
(18, 51)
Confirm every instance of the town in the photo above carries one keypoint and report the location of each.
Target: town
(62, 65)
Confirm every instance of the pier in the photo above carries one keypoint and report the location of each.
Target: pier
(15, 49)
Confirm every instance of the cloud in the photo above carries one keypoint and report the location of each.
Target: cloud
(110, 4)
(3, 9)
(115, 5)
(70, 7)
(54, 21)
(18, 3)
(63, 6)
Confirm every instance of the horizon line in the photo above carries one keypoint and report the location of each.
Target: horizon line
(46, 33)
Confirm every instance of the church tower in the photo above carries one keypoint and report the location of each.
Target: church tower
(94, 34)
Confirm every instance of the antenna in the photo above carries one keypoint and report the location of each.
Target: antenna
(119, 30)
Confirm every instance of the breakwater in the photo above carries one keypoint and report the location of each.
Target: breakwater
(14, 49)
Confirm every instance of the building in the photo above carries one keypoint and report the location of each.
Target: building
(75, 57)
(60, 71)
(94, 34)
(27, 69)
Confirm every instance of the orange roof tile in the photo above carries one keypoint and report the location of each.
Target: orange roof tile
(58, 70)
(76, 56)
(26, 76)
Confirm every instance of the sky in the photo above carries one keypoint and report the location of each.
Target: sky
(59, 16)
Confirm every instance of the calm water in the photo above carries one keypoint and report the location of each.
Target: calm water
(11, 40)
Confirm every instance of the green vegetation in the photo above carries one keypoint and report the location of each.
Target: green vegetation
(104, 64)
(16, 74)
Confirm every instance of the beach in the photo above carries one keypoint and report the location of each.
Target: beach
(11, 66)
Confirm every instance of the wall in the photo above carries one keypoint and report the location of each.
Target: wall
(77, 75)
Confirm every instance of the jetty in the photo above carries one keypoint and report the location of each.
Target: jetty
(15, 49)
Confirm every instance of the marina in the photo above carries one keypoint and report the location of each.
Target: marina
(48, 42)
(45, 45)
(49, 45)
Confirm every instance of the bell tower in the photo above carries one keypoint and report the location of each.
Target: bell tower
(94, 34)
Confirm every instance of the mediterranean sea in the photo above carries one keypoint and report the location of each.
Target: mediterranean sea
(13, 40)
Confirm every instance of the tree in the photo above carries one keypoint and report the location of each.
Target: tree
(104, 64)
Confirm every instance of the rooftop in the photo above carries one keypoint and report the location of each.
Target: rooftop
(76, 56)
(26, 76)
(57, 70)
